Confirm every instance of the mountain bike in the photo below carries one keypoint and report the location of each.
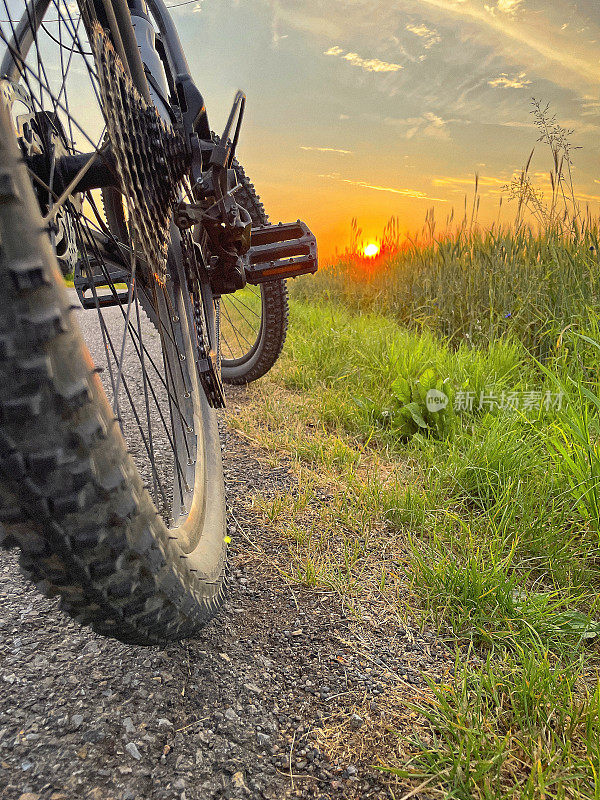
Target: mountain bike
(138, 272)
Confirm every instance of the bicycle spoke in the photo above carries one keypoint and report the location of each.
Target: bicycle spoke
(235, 299)
(243, 316)
(155, 480)
(232, 327)
(151, 393)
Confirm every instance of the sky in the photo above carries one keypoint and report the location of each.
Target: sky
(372, 109)
(380, 108)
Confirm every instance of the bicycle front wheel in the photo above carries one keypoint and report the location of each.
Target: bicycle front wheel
(110, 476)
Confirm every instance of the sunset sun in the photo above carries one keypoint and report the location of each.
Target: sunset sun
(371, 249)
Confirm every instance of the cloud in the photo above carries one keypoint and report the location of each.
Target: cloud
(509, 7)
(520, 82)
(364, 185)
(486, 185)
(428, 124)
(591, 198)
(430, 35)
(486, 182)
(510, 124)
(367, 64)
(337, 150)
(590, 107)
(530, 39)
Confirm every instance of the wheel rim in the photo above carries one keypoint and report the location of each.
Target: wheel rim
(150, 379)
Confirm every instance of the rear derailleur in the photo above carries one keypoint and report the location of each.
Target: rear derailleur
(239, 253)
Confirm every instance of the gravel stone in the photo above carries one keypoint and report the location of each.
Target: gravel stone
(131, 748)
(128, 725)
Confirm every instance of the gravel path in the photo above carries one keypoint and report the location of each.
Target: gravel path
(234, 714)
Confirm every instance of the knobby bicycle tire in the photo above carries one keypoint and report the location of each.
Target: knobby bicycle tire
(272, 333)
(71, 496)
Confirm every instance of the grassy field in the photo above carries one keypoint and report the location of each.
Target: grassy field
(480, 520)
(474, 286)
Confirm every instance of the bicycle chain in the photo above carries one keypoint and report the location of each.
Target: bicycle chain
(152, 160)
(209, 367)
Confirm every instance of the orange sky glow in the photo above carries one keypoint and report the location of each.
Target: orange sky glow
(373, 109)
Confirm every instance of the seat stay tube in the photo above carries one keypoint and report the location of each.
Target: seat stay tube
(190, 99)
(22, 40)
(169, 36)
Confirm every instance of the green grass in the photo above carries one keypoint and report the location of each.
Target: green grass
(482, 523)
(517, 727)
(474, 286)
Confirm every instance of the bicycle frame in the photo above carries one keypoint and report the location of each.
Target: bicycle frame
(189, 97)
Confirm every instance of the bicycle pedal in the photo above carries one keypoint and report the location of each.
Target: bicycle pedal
(99, 288)
(279, 251)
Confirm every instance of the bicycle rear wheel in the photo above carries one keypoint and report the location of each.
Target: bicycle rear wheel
(110, 483)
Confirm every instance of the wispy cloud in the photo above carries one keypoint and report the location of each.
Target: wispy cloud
(590, 198)
(509, 7)
(590, 107)
(429, 35)
(513, 123)
(392, 190)
(337, 150)
(367, 64)
(428, 124)
(486, 185)
(276, 37)
(524, 34)
(528, 41)
(483, 181)
(506, 82)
